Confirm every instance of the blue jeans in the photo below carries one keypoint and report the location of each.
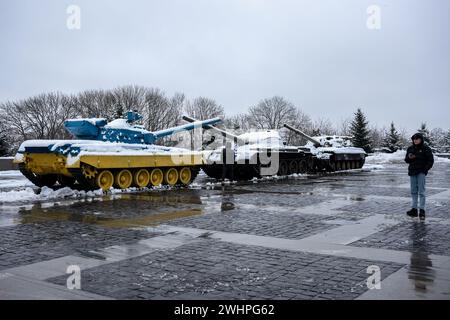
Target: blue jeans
(418, 190)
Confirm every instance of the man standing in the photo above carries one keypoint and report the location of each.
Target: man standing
(420, 159)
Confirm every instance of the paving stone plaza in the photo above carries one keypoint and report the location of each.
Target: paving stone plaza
(314, 237)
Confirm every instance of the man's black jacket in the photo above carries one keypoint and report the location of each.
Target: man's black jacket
(423, 160)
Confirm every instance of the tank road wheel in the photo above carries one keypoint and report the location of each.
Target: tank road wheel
(302, 166)
(104, 180)
(123, 179)
(311, 167)
(171, 176)
(293, 167)
(141, 178)
(185, 175)
(156, 177)
(283, 169)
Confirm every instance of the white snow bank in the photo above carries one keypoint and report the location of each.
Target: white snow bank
(10, 173)
(379, 158)
(441, 160)
(13, 179)
(28, 194)
(372, 167)
(396, 157)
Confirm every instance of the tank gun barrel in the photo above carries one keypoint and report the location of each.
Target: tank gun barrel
(206, 124)
(304, 135)
(224, 133)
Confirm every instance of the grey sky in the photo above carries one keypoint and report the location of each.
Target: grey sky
(318, 54)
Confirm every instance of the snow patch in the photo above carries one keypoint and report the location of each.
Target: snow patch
(28, 194)
(380, 158)
(397, 157)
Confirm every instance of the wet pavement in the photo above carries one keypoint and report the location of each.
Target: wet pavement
(302, 237)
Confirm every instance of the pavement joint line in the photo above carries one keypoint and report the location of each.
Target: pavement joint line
(349, 233)
(445, 195)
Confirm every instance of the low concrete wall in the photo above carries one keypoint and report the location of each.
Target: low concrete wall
(6, 163)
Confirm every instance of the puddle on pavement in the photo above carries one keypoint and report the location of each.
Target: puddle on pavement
(116, 211)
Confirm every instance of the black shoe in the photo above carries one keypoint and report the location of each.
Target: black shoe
(422, 214)
(412, 213)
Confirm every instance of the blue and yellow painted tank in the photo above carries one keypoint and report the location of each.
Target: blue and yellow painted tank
(105, 154)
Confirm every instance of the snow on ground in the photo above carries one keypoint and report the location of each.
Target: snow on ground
(381, 158)
(397, 157)
(28, 194)
(13, 179)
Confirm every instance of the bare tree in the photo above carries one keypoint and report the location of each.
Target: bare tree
(323, 126)
(239, 122)
(38, 117)
(272, 113)
(377, 136)
(96, 104)
(344, 127)
(128, 98)
(160, 112)
(203, 108)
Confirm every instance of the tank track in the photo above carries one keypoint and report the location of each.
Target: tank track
(89, 184)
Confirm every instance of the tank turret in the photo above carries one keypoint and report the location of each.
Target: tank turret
(125, 130)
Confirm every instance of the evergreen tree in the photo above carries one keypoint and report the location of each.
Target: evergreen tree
(425, 133)
(118, 114)
(3, 146)
(360, 132)
(392, 139)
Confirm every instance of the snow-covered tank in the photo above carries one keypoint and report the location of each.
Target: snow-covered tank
(119, 153)
(254, 154)
(333, 153)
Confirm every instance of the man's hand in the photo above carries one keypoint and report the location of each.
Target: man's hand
(411, 156)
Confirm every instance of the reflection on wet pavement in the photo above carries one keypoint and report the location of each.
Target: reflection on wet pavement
(420, 270)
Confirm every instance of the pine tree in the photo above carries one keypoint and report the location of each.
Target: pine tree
(426, 134)
(360, 132)
(118, 114)
(3, 146)
(392, 139)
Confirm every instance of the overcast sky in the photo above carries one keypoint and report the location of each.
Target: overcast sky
(318, 54)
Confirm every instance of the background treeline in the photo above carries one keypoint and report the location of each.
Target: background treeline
(43, 116)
